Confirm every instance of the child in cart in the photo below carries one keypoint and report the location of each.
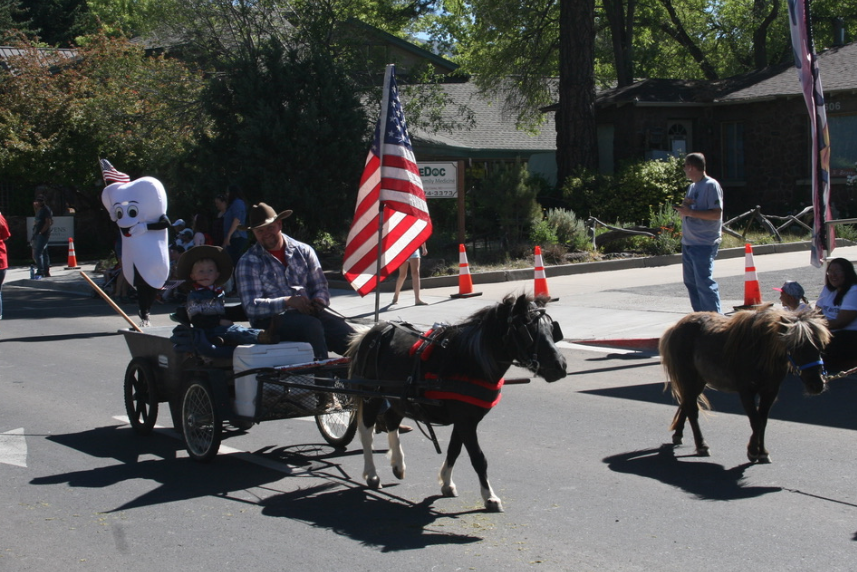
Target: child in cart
(206, 268)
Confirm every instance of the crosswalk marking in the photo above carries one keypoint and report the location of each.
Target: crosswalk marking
(13, 448)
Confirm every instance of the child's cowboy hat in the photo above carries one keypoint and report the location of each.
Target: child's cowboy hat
(263, 215)
(218, 255)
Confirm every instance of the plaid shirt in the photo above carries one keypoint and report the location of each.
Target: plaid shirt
(264, 283)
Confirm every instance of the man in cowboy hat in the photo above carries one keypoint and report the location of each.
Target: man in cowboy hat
(279, 276)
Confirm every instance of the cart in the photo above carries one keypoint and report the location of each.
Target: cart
(205, 394)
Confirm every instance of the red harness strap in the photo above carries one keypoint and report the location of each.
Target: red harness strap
(423, 347)
(457, 387)
(462, 388)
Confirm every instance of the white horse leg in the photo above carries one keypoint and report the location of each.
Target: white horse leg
(396, 454)
(447, 487)
(492, 501)
(370, 475)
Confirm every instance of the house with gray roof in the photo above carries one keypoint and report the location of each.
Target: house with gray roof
(480, 132)
(754, 130)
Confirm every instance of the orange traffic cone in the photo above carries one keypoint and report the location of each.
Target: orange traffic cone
(752, 292)
(72, 258)
(541, 284)
(465, 282)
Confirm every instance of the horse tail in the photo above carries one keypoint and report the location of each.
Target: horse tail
(666, 347)
(364, 350)
(676, 347)
(357, 362)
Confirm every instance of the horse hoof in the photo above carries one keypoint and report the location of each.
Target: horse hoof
(676, 439)
(373, 483)
(399, 473)
(703, 452)
(494, 505)
(449, 491)
(762, 459)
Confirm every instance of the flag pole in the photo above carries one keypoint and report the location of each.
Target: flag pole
(382, 125)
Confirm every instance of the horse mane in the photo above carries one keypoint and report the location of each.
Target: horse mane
(769, 335)
(468, 336)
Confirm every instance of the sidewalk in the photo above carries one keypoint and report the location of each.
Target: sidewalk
(628, 298)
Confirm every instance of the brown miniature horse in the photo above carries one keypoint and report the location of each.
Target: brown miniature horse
(460, 368)
(749, 354)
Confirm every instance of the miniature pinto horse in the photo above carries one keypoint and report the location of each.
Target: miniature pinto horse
(451, 375)
(748, 354)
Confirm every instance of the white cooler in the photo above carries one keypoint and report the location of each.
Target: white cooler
(262, 355)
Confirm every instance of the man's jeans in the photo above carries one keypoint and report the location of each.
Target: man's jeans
(698, 269)
(40, 253)
(324, 331)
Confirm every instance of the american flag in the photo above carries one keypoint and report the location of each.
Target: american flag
(391, 181)
(111, 175)
(806, 62)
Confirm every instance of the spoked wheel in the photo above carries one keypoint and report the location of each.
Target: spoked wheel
(141, 397)
(201, 423)
(338, 427)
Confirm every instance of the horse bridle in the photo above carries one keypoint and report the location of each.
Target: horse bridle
(518, 333)
(799, 368)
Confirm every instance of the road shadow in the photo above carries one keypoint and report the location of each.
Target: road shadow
(373, 518)
(60, 337)
(702, 479)
(29, 304)
(833, 408)
(156, 459)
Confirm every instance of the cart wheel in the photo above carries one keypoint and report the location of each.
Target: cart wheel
(141, 397)
(337, 428)
(201, 423)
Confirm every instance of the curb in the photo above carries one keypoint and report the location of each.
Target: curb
(600, 266)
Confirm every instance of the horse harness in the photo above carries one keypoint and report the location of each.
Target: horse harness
(478, 392)
(799, 368)
(524, 341)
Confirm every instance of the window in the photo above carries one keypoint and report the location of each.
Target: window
(679, 138)
(732, 140)
(605, 148)
(843, 144)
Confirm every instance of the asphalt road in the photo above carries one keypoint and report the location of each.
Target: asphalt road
(584, 468)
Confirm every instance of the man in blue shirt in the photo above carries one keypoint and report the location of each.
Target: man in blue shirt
(701, 228)
(280, 276)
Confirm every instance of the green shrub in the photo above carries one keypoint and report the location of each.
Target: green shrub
(505, 205)
(668, 241)
(846, 231)
(543, 233)
(631, 193)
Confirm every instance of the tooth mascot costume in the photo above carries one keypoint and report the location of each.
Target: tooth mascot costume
(139, 208)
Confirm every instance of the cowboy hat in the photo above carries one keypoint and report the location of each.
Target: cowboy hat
(221, 259)
(263, 215)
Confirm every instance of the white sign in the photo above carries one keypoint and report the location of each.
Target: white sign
(61, 231)
(440, 180)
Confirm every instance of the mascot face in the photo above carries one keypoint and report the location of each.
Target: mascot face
(133, 206)
(141, 201)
